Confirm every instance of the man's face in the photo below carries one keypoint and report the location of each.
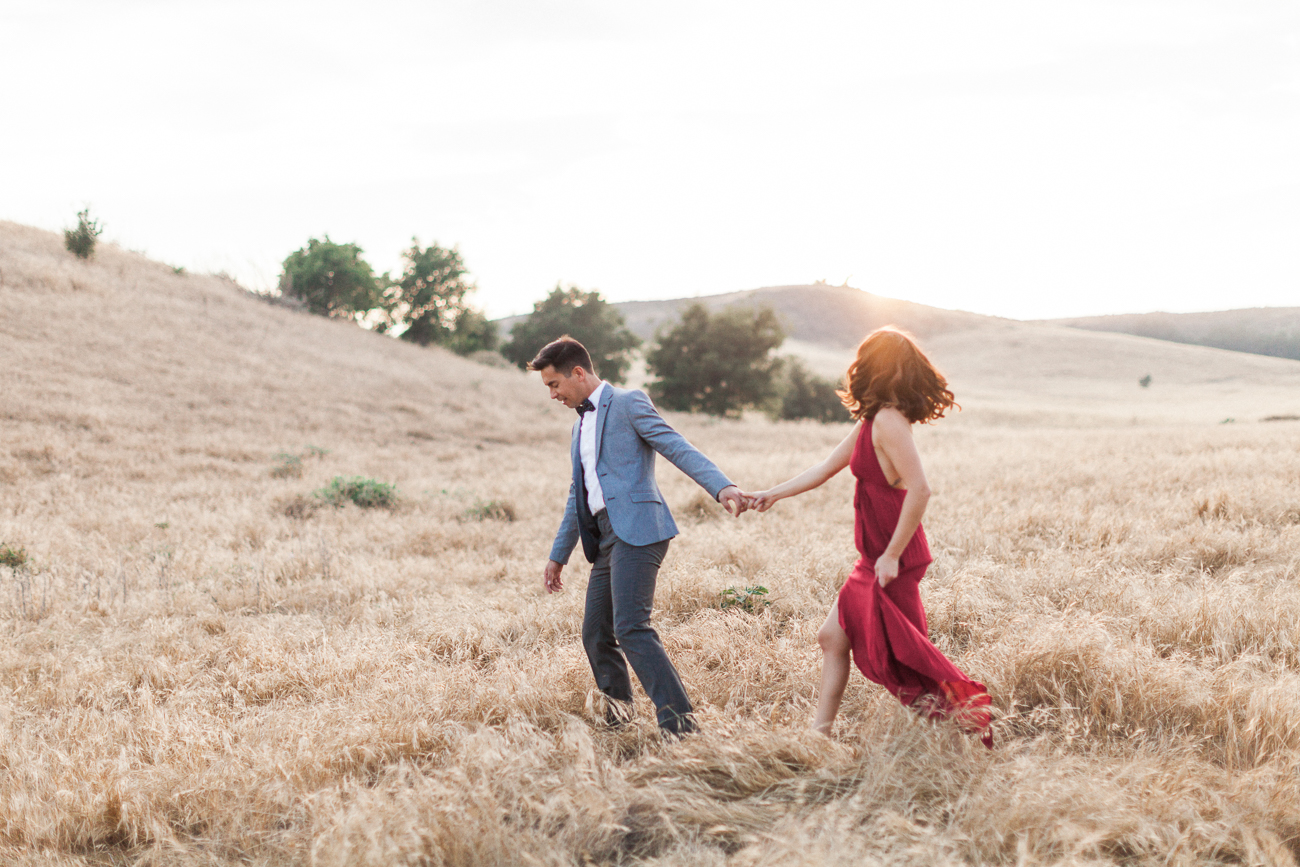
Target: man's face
(569, 390)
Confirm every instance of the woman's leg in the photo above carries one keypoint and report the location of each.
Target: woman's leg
(835, 670)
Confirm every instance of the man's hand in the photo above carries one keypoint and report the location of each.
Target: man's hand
(733, 501)
(551, 577)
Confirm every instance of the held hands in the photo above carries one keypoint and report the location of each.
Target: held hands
(759, 501)
(733, 501)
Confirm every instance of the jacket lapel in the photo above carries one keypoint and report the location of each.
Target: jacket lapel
(602, 413)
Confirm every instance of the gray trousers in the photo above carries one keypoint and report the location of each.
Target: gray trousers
(616, 628)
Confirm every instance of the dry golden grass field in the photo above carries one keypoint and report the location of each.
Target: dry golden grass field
(203, 665)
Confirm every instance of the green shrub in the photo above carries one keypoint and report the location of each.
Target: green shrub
(27, 586)
(490, 510)
(81, 240)
(366, 493)
(752, 599)
(13, 556)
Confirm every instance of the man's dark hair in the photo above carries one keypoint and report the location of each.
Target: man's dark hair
(564, 355)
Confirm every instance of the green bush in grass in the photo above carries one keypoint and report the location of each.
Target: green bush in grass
(366, 493)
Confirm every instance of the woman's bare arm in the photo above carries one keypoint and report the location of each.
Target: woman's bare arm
(892, 432)
(813, 477)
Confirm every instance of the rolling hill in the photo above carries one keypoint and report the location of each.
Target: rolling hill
(815, 314)
(1261, 330)
(818, 314)
(1009, 367)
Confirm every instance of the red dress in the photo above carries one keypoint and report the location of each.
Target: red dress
(886, 627)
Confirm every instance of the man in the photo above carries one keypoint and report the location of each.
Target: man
(616, 510)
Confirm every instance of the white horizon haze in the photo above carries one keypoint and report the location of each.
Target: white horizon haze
(1017, 159)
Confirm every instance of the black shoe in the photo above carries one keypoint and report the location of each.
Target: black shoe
(676, 726)
(617, 713)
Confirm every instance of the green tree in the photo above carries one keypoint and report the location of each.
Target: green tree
(584, 316)
(472, 332)
(717, 363)
(80, 241)
(804, 394)
(428, 302)
(331, 279)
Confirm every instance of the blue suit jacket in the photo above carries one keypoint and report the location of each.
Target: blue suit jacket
(628, 433)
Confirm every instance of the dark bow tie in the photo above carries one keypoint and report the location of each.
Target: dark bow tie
(585, 407)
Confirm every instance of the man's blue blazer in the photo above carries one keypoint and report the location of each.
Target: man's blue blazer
(629, 431)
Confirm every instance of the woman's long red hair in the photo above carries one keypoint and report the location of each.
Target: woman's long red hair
(891, 370)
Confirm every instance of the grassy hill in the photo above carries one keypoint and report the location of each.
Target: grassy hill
(205, 663)
(125, 343)
(1262, 330)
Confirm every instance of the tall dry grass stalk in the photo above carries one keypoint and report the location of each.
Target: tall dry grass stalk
(201, 666)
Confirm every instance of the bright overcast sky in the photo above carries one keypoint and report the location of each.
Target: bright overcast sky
(1026, 159)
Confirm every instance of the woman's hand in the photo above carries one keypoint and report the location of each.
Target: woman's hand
(886, 569)
(760, 501)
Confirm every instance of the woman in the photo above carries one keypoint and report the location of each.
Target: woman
(878, 616)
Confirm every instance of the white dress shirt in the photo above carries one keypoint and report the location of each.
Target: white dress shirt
(587, 452)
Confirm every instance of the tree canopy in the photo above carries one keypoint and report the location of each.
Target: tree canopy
(331, 279)
(804, 394)
(717, 363)
(427, 304)
(584, 316)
